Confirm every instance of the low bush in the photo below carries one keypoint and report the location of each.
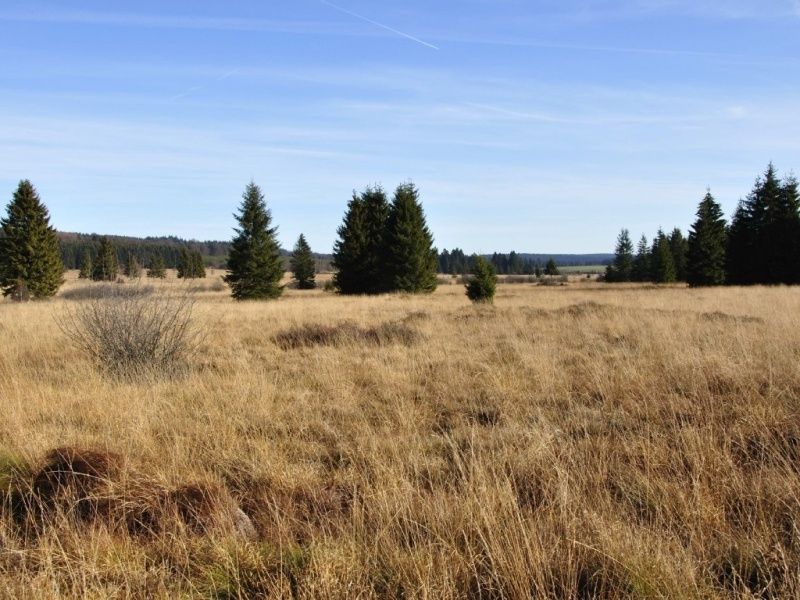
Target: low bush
(134, 334)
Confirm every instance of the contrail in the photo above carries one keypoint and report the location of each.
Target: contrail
(381, 25)
(197, 88)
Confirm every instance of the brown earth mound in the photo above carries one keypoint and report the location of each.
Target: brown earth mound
(90, 487)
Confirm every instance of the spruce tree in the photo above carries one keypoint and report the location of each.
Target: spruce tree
(662, 265)
(641, 262)
(359, 255)
(781, 235)
(410, 256)
(302, 265)
(708, 237)
(30, 259)
(483, 283)
(376, 214)
(622, 268)
(350, 249)
(198, 266)
(106, 266)
(679, 247)
(156, 268)
(551, 268)
(763, 238)
(255, 267)
(740, 254)
(132, 269)
(184, 267)
(86, 265)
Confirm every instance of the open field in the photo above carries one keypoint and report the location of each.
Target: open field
(568, 442)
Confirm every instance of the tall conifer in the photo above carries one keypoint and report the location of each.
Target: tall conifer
(30, 260)
(622, 267)
(255, 267)
(679, 247)
(106, 266)
(86, 265)
(705, 263)
(302, 265)
(410, 255)
(641, 262)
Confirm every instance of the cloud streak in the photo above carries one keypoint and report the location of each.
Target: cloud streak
(377, 24)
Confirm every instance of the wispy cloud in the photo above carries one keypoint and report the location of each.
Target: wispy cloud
(377, 24)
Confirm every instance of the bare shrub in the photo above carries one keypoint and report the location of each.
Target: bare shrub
(134, 334)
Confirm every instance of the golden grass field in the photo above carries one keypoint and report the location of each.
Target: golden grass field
(567, 442)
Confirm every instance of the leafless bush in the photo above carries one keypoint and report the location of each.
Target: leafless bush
(134, 334)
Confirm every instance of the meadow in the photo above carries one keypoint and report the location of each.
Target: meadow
(576, 441)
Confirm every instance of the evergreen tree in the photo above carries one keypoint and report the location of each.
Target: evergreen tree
(359, 255)
(198, 266)
(156, 269)
(350, 249)
(622, 267)
(641, 262)
(255, 267)
(679, 247)
(410, 255)
(376, 215)
(481, 286)
(662, 265)
(537, 270)
(30, 260)
(86, 265)
(302, 265)
(764, 233)
(132, 267)
(185, 266)
(740, 252)
(705, 264)
(551, 268)
(105, 267)
(780, 239)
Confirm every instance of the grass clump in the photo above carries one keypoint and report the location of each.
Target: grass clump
(307, 336)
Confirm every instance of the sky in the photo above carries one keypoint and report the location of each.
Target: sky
(528, 125)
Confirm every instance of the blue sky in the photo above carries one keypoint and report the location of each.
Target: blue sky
(539, 126)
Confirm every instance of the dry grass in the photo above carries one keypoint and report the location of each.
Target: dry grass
(569, 442)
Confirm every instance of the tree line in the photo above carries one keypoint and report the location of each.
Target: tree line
(761, 245)
(73, 247)
(456, 262)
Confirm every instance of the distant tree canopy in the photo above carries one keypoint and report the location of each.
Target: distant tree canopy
(385, 247)
(761, 245)
(74, 245)
(30, 265)
(255, 267)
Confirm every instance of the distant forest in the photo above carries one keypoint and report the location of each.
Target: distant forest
(215, 254)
